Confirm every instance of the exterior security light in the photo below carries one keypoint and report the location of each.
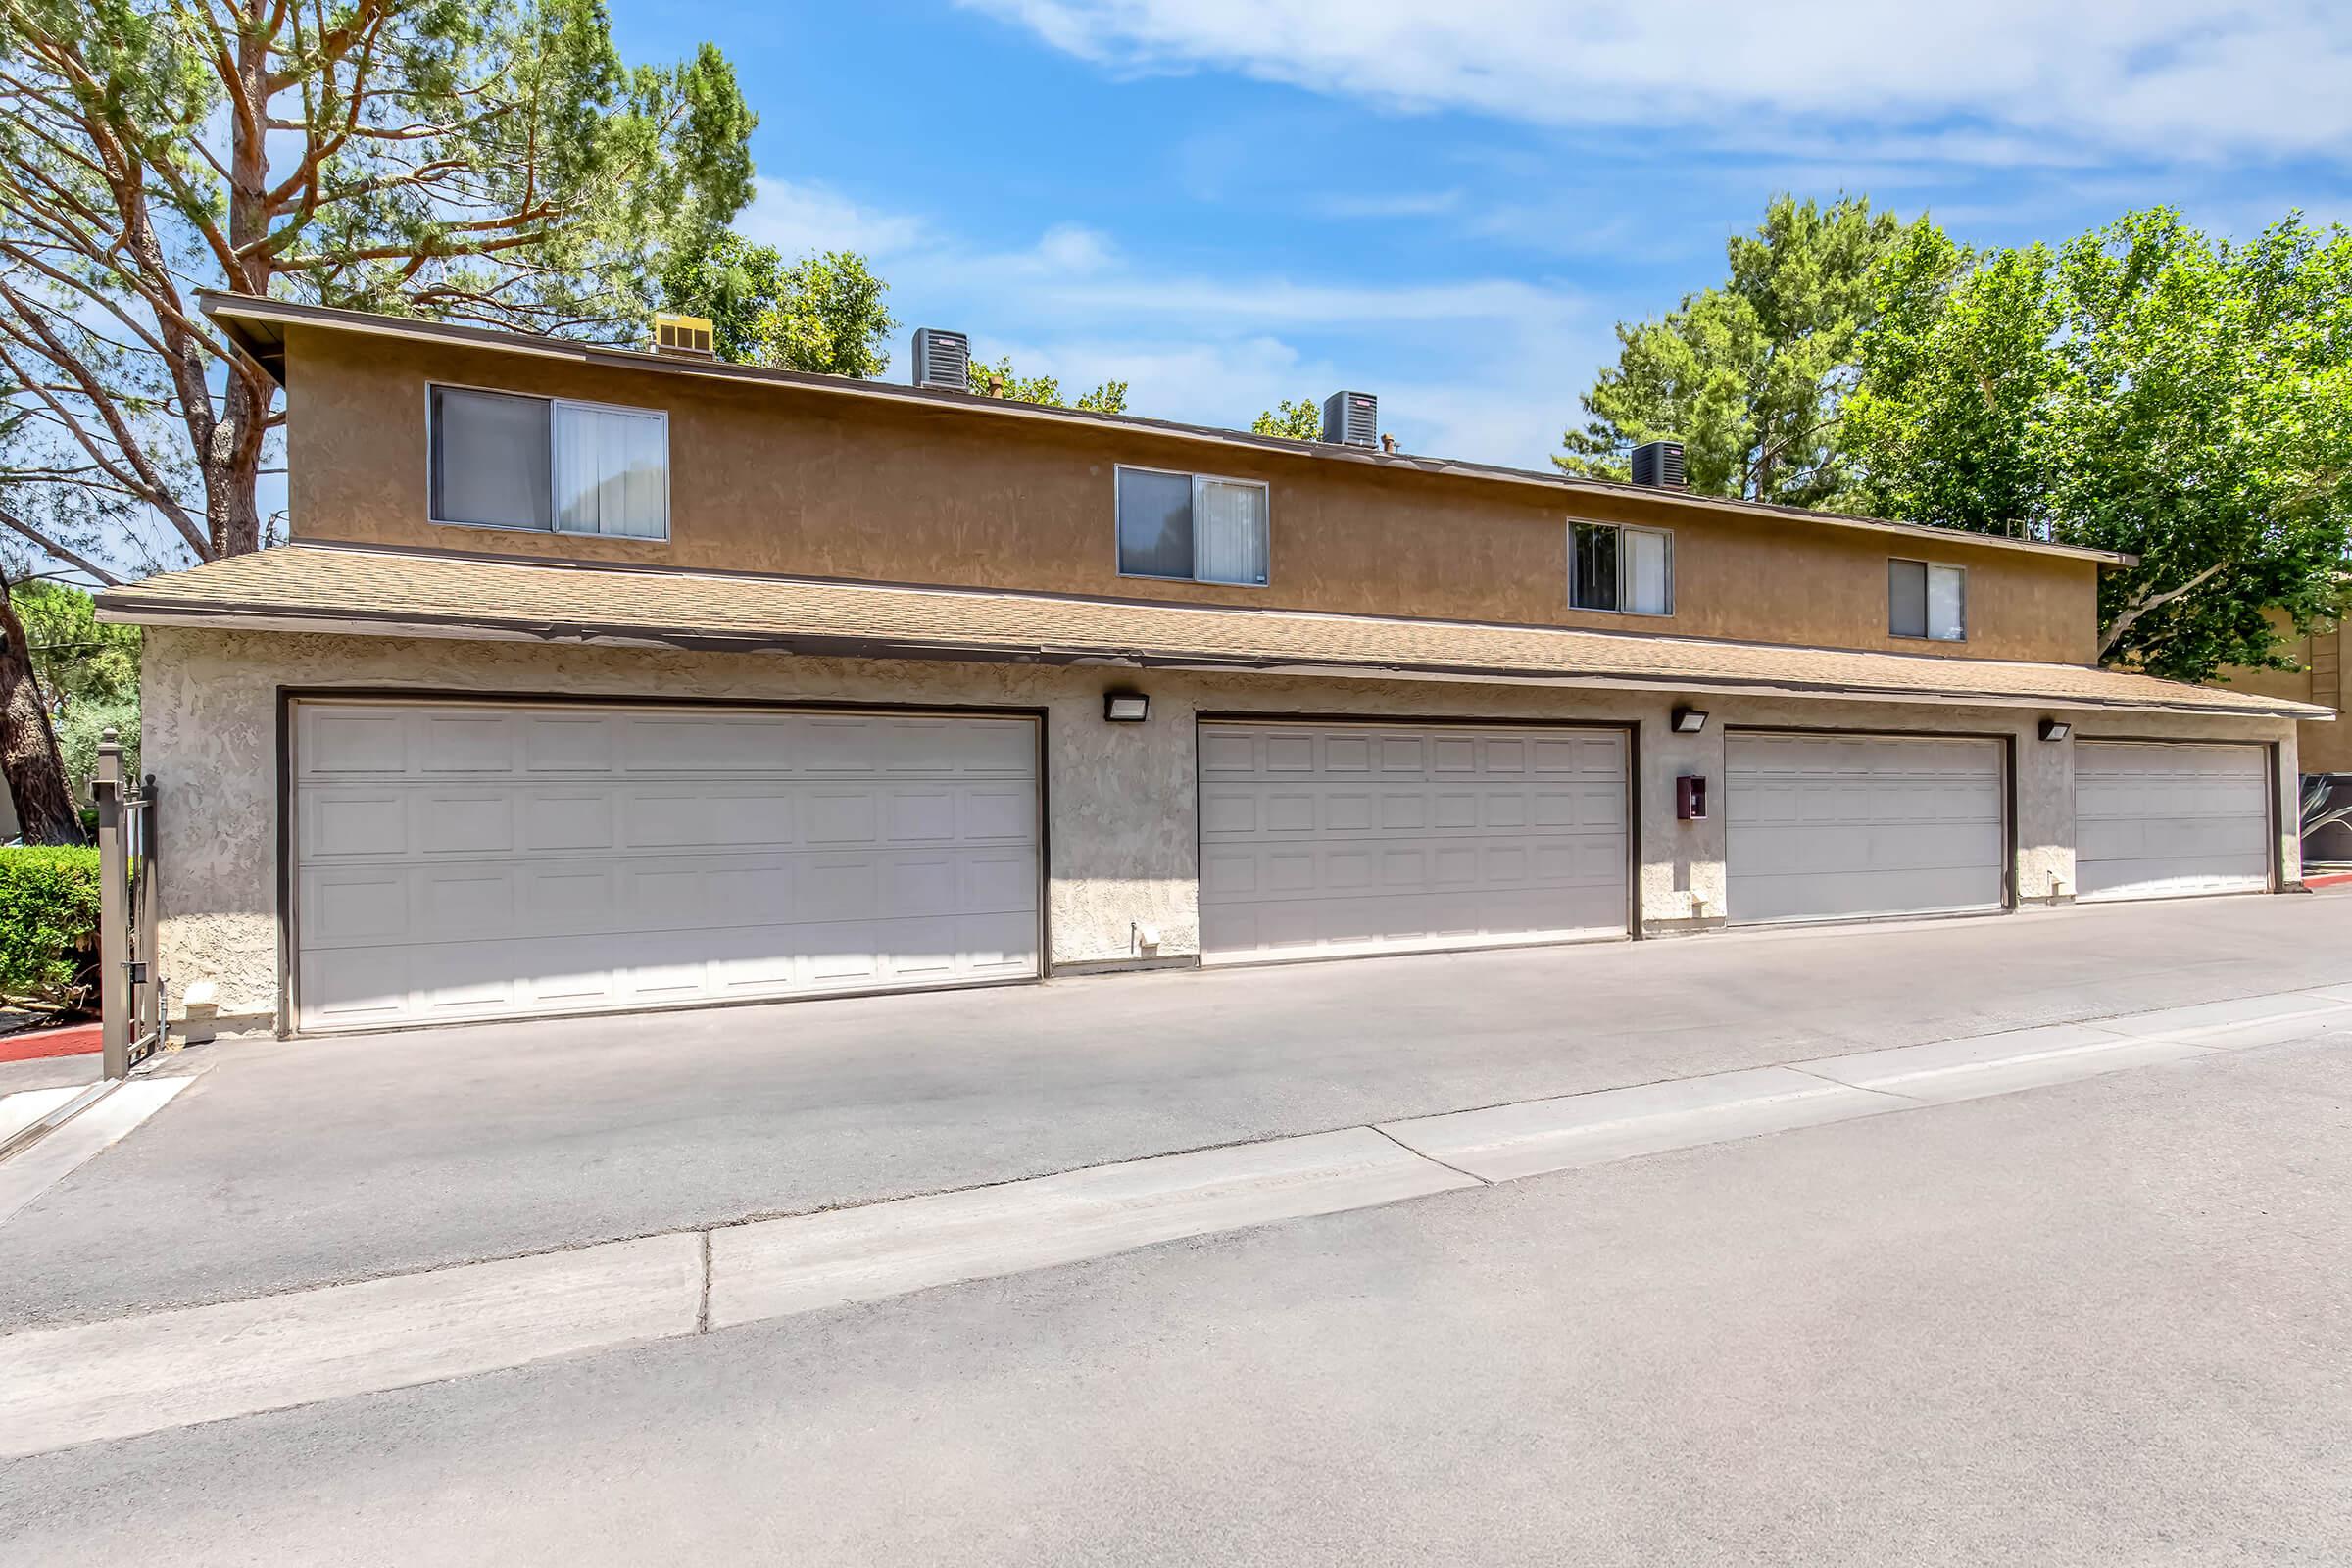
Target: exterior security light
(1126, 707)
(2056, 729)
(1690, 720)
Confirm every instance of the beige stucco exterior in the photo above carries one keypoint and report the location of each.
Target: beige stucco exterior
(2318, 677)
(1121, 846)
(799, 481)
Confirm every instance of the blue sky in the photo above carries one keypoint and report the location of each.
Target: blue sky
(1228, 202)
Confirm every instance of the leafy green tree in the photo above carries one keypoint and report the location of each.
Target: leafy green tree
(1001, 381)
(68, 680)
(1302, 420)
(75, 659)
(823, 312)
(1750, 376)
(2142, 388)
(729, 280)
(828, 316)
(488, 161)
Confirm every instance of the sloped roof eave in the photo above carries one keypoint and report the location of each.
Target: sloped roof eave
(323, 588)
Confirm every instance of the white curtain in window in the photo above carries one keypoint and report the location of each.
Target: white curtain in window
(1229, 531)
(612, 472)
(1947, 615)
(1648, 579)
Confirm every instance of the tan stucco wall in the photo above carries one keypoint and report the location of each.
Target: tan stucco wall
(2325, 748)
(1121, 797)
(778, 479)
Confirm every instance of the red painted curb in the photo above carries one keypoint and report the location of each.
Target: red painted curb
(67, 1040)
(2333, 880)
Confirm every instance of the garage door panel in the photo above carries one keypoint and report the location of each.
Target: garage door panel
(344, 742)
(467, 742)
(1838, 827)
(566, 743)
(2166, 821)
(353, 822)
(571, 897)
(1828, 895)
(1318, 841)
(572, 820)
(663, 867)
(358, 905)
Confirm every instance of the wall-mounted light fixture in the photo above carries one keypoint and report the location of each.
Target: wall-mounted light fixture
(2056, 729)
(1126, 707)
(1690, 720)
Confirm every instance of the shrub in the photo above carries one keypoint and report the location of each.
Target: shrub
(48, 923)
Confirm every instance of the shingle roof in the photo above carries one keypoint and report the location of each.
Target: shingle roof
(330, 588)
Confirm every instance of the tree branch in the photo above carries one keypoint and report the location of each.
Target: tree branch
(2124, 621)
(18, 525)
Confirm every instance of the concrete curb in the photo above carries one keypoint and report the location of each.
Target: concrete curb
(127, 1376)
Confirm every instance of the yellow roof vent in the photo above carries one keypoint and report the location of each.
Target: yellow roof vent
(687, 335)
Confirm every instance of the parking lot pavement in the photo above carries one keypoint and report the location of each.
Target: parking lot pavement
(301, 1162)
(2096, 1322)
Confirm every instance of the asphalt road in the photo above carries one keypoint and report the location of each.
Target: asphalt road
(2104, 1322)
(294, 1163)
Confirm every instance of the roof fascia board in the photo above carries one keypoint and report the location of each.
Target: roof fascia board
(231, 309)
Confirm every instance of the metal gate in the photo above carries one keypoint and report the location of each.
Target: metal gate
(131, 982)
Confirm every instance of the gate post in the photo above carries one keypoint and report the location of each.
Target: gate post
(114, 912)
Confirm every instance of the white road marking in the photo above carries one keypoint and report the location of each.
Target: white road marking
(1533, 1137)
(97, 1381)
(30, 1172)
(860, 1255)
(1948, 1071)
(2233, 1025)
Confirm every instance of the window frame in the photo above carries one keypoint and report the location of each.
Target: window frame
(1623, 561)
(1117, 556)
(1926, 631)
(553, 528)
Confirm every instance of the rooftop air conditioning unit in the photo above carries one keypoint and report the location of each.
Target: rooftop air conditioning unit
(687, 335)
(941, 359)
(1351, 420)
(1659, 464)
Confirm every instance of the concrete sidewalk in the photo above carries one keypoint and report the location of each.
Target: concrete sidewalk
(299, 1163)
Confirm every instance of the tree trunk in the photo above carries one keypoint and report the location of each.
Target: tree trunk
(28, 755)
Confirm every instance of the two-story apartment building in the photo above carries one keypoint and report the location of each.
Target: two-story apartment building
(594, 679)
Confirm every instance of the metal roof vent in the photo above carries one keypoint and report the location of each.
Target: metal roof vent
(941, 359)
(687, 336)
(1351, 420)
(1659, 465)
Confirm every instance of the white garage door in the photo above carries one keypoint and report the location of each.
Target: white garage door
(1827, 828)
(462, 861)
(1319, 840)
(2156, 822)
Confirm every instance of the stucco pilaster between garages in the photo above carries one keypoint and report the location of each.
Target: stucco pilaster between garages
(1120, 798)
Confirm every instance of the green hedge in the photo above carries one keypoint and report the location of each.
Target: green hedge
(48, 923)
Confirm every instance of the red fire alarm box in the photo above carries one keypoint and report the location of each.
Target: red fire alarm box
(1691, 798)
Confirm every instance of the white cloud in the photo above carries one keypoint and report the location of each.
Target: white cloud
(1465, 366)
(797, 218)
(1390, 204)
(2167, 79)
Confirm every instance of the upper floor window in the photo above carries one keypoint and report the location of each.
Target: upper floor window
(1626, 570)
(1192, 527)
(501, 461)
(1924, 599)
